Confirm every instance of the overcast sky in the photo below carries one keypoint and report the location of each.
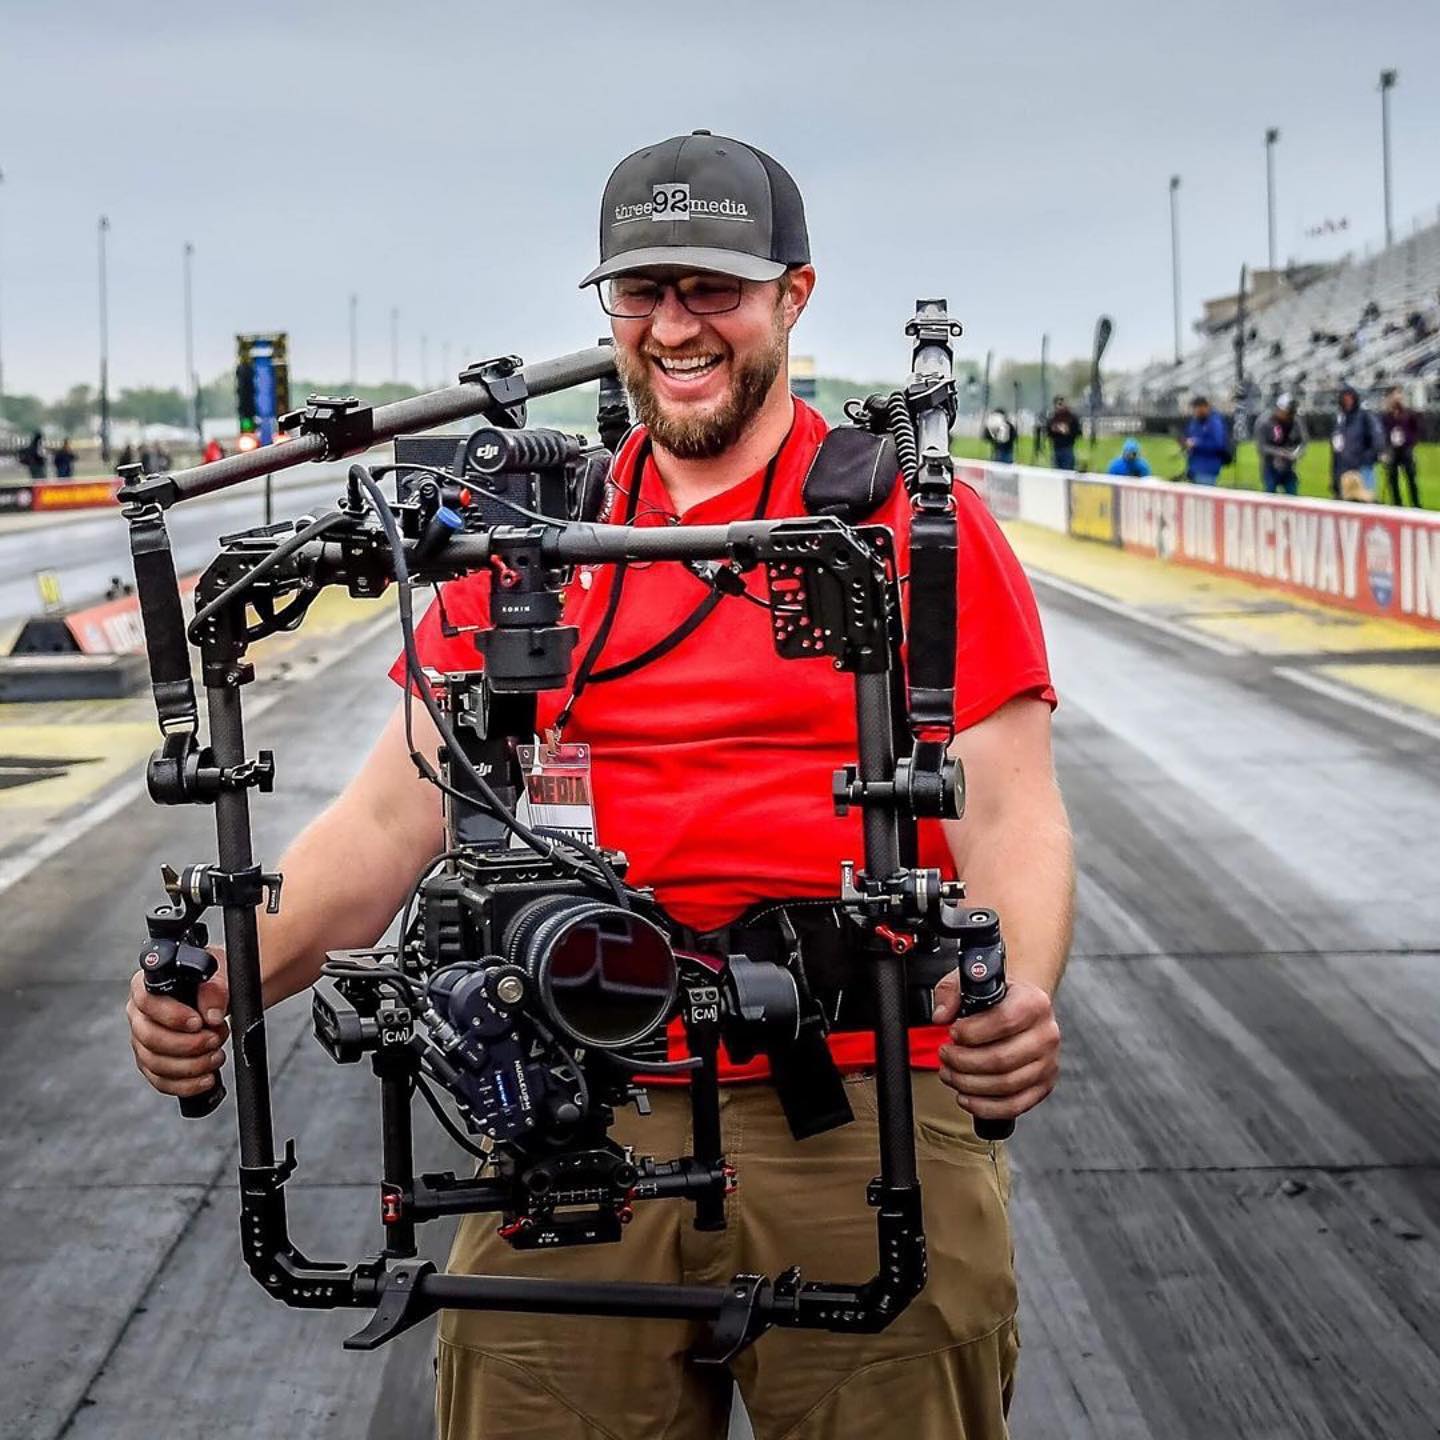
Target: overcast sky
(447, 159)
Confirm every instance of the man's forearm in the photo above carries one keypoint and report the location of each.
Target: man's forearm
(321, 908)
(1024, 869)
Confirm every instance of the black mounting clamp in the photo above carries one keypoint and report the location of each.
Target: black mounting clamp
(909, 896)
(742, 1319)
(934, 328)
(196, 888)
(504, 378)
(183, 772)
(920, 790)
(346, 425)
(402, 1305)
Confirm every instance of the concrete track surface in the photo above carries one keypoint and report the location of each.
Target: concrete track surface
(1227, 1218)
(85, 549)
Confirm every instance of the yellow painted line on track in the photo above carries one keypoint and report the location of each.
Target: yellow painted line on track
(89, 757)
(1236, 617)
(1249, 616)
(56, 757)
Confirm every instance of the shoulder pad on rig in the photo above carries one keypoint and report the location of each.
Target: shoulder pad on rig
(852, 474)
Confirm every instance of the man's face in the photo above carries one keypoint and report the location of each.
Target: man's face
(1201, 411)
(1347, 401)
(697, 381)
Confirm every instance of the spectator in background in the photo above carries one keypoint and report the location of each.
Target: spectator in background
(1357, 441)
(214, 450)
(1207, 443)
(1402, 434)
(1002, 433)
(64, 459)
(32, 456)
(127, 457)
(1062, 430)
(1281, 441)
(1130, 461)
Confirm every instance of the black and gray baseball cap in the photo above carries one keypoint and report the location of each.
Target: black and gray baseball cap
(705, 202)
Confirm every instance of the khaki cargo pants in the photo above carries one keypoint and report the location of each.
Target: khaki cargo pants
(942, 1371)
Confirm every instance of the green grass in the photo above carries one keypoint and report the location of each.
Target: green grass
(1167, 461)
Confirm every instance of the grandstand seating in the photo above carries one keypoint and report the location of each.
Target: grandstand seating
(1371, 322)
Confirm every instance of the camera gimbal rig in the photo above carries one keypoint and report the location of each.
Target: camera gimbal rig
(834, 592)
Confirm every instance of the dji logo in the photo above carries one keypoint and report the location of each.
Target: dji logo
(488, 452)
(670, 201)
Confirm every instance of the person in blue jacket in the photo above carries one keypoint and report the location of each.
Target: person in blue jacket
(1357, 442)
(1129, 461)
(1207, 444)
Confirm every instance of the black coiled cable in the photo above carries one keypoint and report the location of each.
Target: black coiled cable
(902, 431)
(893, 410)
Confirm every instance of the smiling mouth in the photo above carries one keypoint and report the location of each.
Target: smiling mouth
(685, 367)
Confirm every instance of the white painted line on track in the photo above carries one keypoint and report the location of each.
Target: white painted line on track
(1320, 684)
(1129, 612)
(1372, 705)
(19, 865)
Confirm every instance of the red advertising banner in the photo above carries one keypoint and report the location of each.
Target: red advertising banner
(113, 627)
(1378, 560)
(72, 494)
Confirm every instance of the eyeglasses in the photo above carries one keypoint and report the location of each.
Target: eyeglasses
(631, 297)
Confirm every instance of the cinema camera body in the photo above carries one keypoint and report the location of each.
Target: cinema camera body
(532, 989)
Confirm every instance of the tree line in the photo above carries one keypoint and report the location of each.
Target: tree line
(76, 412)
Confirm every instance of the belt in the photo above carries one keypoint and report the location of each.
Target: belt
(819, 945)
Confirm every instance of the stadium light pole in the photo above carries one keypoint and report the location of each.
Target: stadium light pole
(354, 341)
(1044, 390)
(1175, 256)
(1271, 136)
(192, 380)
(102, 231)
(1387, 84)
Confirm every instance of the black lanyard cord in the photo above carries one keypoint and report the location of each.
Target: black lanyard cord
(586, 673)
(607, 621)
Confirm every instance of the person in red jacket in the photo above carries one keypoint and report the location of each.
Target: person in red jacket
(711, 767)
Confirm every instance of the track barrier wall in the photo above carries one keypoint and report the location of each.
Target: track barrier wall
(53, 495)
(1377, 560)
(113, 627)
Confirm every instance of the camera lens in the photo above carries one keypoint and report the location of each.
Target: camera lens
(606, 976)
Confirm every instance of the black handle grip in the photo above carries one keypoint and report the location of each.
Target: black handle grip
(178, 969)
(497, 452)
(993, 1129)
(982, 985)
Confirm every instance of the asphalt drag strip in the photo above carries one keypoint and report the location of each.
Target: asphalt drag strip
(1227, 1217)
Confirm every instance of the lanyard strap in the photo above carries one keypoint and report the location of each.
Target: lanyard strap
(586, 673)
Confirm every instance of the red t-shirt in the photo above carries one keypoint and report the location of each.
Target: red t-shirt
(711, 767)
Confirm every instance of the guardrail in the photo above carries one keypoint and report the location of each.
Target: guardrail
(1376, 560)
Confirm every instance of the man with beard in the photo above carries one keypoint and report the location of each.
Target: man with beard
(711, 763)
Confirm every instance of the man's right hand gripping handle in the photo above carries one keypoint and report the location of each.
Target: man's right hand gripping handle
(178, 1000)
